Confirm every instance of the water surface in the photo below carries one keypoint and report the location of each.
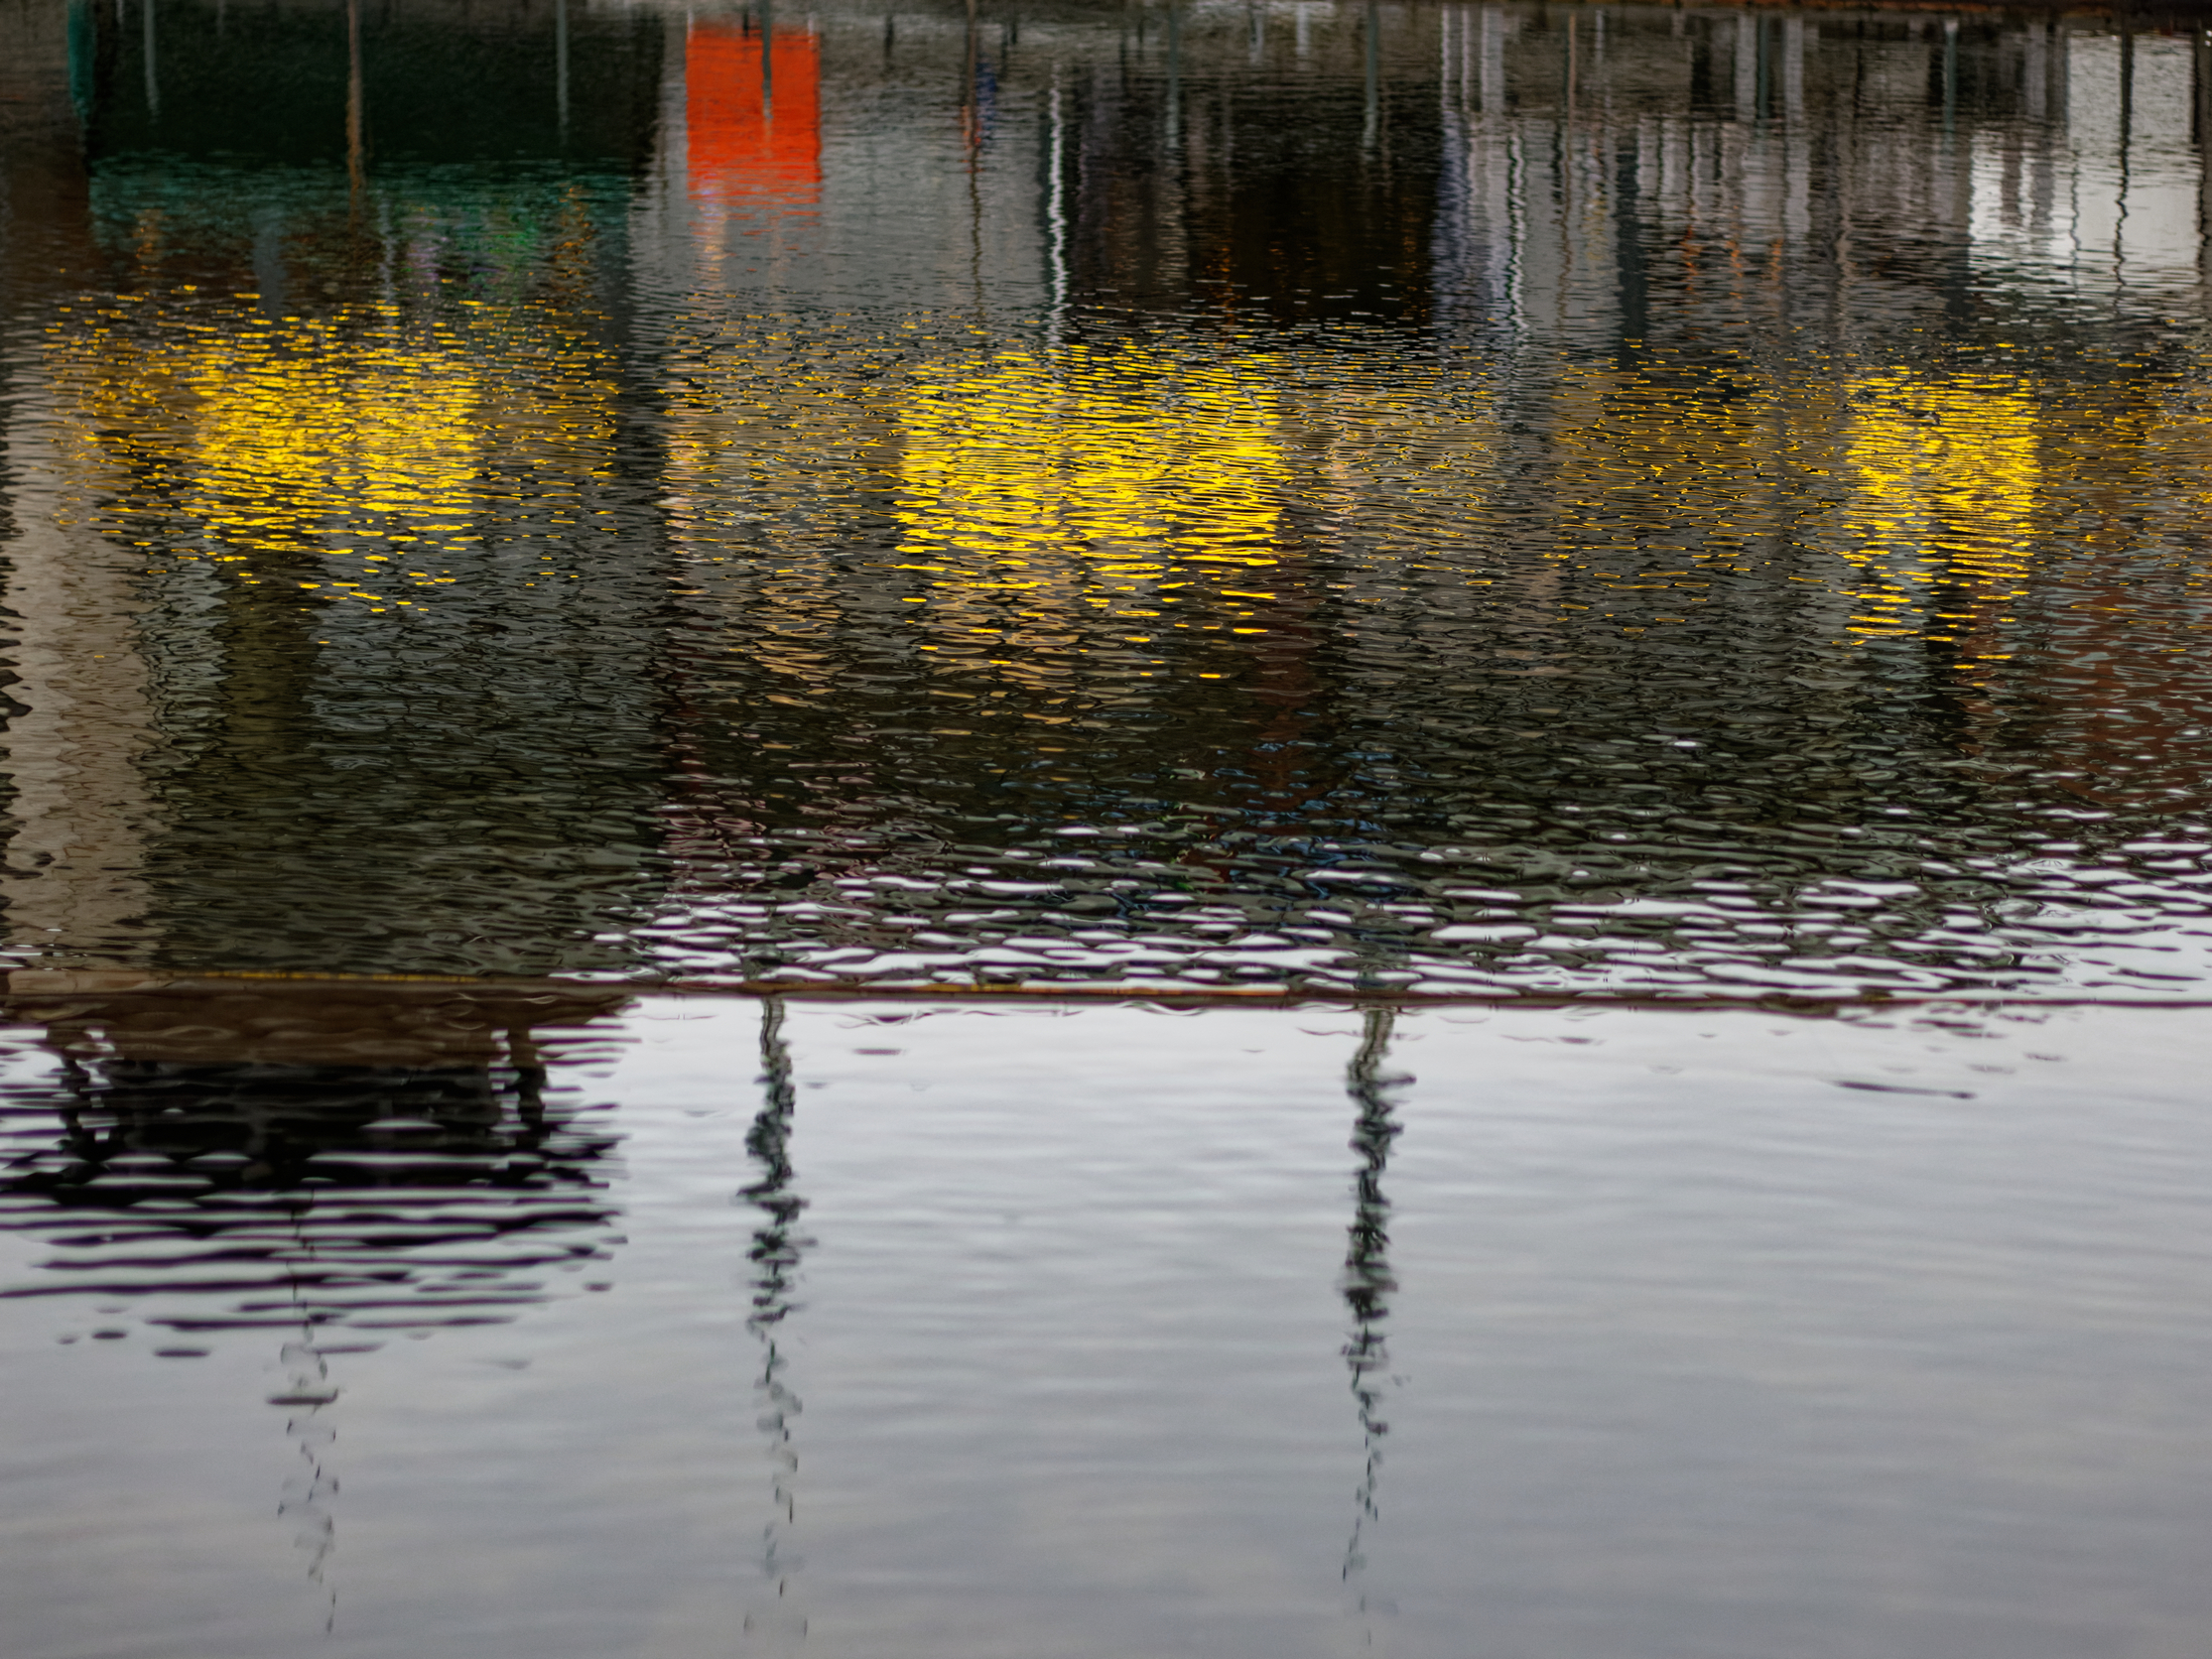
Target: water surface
(519, 520)
(912, 1329)
(1452, 498)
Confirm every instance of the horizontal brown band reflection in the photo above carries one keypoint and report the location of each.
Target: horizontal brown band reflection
(432, 1020)
(366, 1021)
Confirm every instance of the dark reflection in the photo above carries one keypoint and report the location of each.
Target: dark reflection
(1193, 192)
(1367, 1285)
(775, 1251)
(336, 1162)
(307, 1158)
(1483, 498)
(293, 83)
(310, 1491)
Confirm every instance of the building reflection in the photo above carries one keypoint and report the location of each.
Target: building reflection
(295, 432)
(706, 460)
(753, 114)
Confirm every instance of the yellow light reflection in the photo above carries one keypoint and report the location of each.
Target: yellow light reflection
(301, 438)
(1944, 476)
(1098, 474)
(380, 446)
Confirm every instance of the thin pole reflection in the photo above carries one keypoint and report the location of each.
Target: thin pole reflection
(153, 81)
(1368, 1284)
(1444, 62)
(1950, 75)
(353, 169)
(561, 61)
(1056, 213)
(310, 1492)
(971, 135)
(1174, 77)
(970, 115)
(2127, 142)
(2200, 67)
(769, 63)
(775, 1254)
(1373, 44)
(1574, 63)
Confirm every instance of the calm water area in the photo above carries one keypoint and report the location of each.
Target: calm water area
(1232, 829)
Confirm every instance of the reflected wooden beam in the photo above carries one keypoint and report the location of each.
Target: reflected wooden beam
(347, 1007)
(409, 1023)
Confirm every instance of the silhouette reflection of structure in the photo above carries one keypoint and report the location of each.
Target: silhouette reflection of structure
(238, 1155)
(775, 1254)
(1367, 1280)
(300, 1157)
(1424, 384)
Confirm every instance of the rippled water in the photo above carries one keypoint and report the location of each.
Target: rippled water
(1638, 574)
(447, 1324)
(1457, 499)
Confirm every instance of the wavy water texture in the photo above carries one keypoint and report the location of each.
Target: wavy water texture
(1443, 503)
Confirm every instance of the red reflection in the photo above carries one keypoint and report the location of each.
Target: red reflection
(753, 119)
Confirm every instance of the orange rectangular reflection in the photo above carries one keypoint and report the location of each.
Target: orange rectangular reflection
(753, 116)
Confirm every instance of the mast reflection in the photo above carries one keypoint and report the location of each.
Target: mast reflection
(775, 1252)
(1369, 1282)
(310, 1492)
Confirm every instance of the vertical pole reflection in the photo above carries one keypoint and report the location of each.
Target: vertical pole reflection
(1444, 62)
(1763, 69)
(775, 1254)
(769, 63)
(1174, 76)
(1368, 1281)
(2200, 62)
(1374, 75)
(308, 1493)
(1491, 94)
(153, 81)
(353, 91)
(971, 119)
(1950, 75)
(1056, 212)
(1574, 66)
(2057, 72)
(972, 129)
(2127, 139)
(561, 62)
